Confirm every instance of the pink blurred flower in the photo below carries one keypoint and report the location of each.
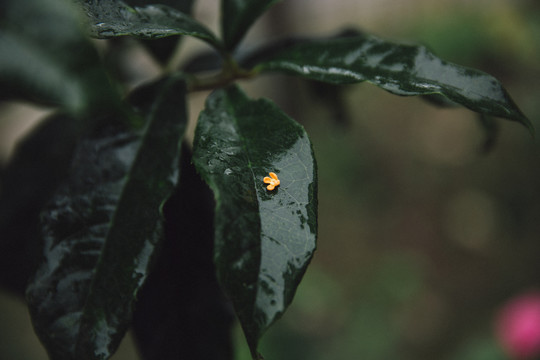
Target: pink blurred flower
(518, 326)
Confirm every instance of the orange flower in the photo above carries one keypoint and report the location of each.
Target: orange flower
(272, 181)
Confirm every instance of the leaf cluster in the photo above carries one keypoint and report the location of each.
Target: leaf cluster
(119, 225)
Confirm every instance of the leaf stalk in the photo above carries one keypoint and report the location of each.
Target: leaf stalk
(230, 72)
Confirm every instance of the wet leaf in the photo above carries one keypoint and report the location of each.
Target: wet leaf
(264, 239)
(112, 18)
(103, 225)
(400, 69)
(237, 16)
(48, 59)
(162, 49)
(184, 6)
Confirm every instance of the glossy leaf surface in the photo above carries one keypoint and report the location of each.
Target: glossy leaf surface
(180, 5)
(47, 59)
(237, 16)
(400, 69)
(103, 225)
(264, 239)
(162, 49)
(112, 18)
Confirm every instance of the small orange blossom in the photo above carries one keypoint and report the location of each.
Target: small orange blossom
(272, 181)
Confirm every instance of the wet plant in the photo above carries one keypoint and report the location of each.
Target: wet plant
(108, 222)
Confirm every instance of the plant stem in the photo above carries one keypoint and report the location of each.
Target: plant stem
(229, 73)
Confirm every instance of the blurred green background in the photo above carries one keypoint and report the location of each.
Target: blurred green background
(423, 235)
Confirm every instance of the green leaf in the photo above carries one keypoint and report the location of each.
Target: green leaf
(237, 16)
(264, 239)
(103, 225)
(184, 6)
(112, 18)
(46, 58)
(162, 49)
(400, 69)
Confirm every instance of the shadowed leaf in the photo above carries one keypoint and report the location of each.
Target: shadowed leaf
(102, 226)
(34, 172)
(181, 309)
(237, 16)
(48, 60)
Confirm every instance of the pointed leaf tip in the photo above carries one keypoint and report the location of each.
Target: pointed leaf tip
(404, 70)
(237, 16)
(264, 239)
